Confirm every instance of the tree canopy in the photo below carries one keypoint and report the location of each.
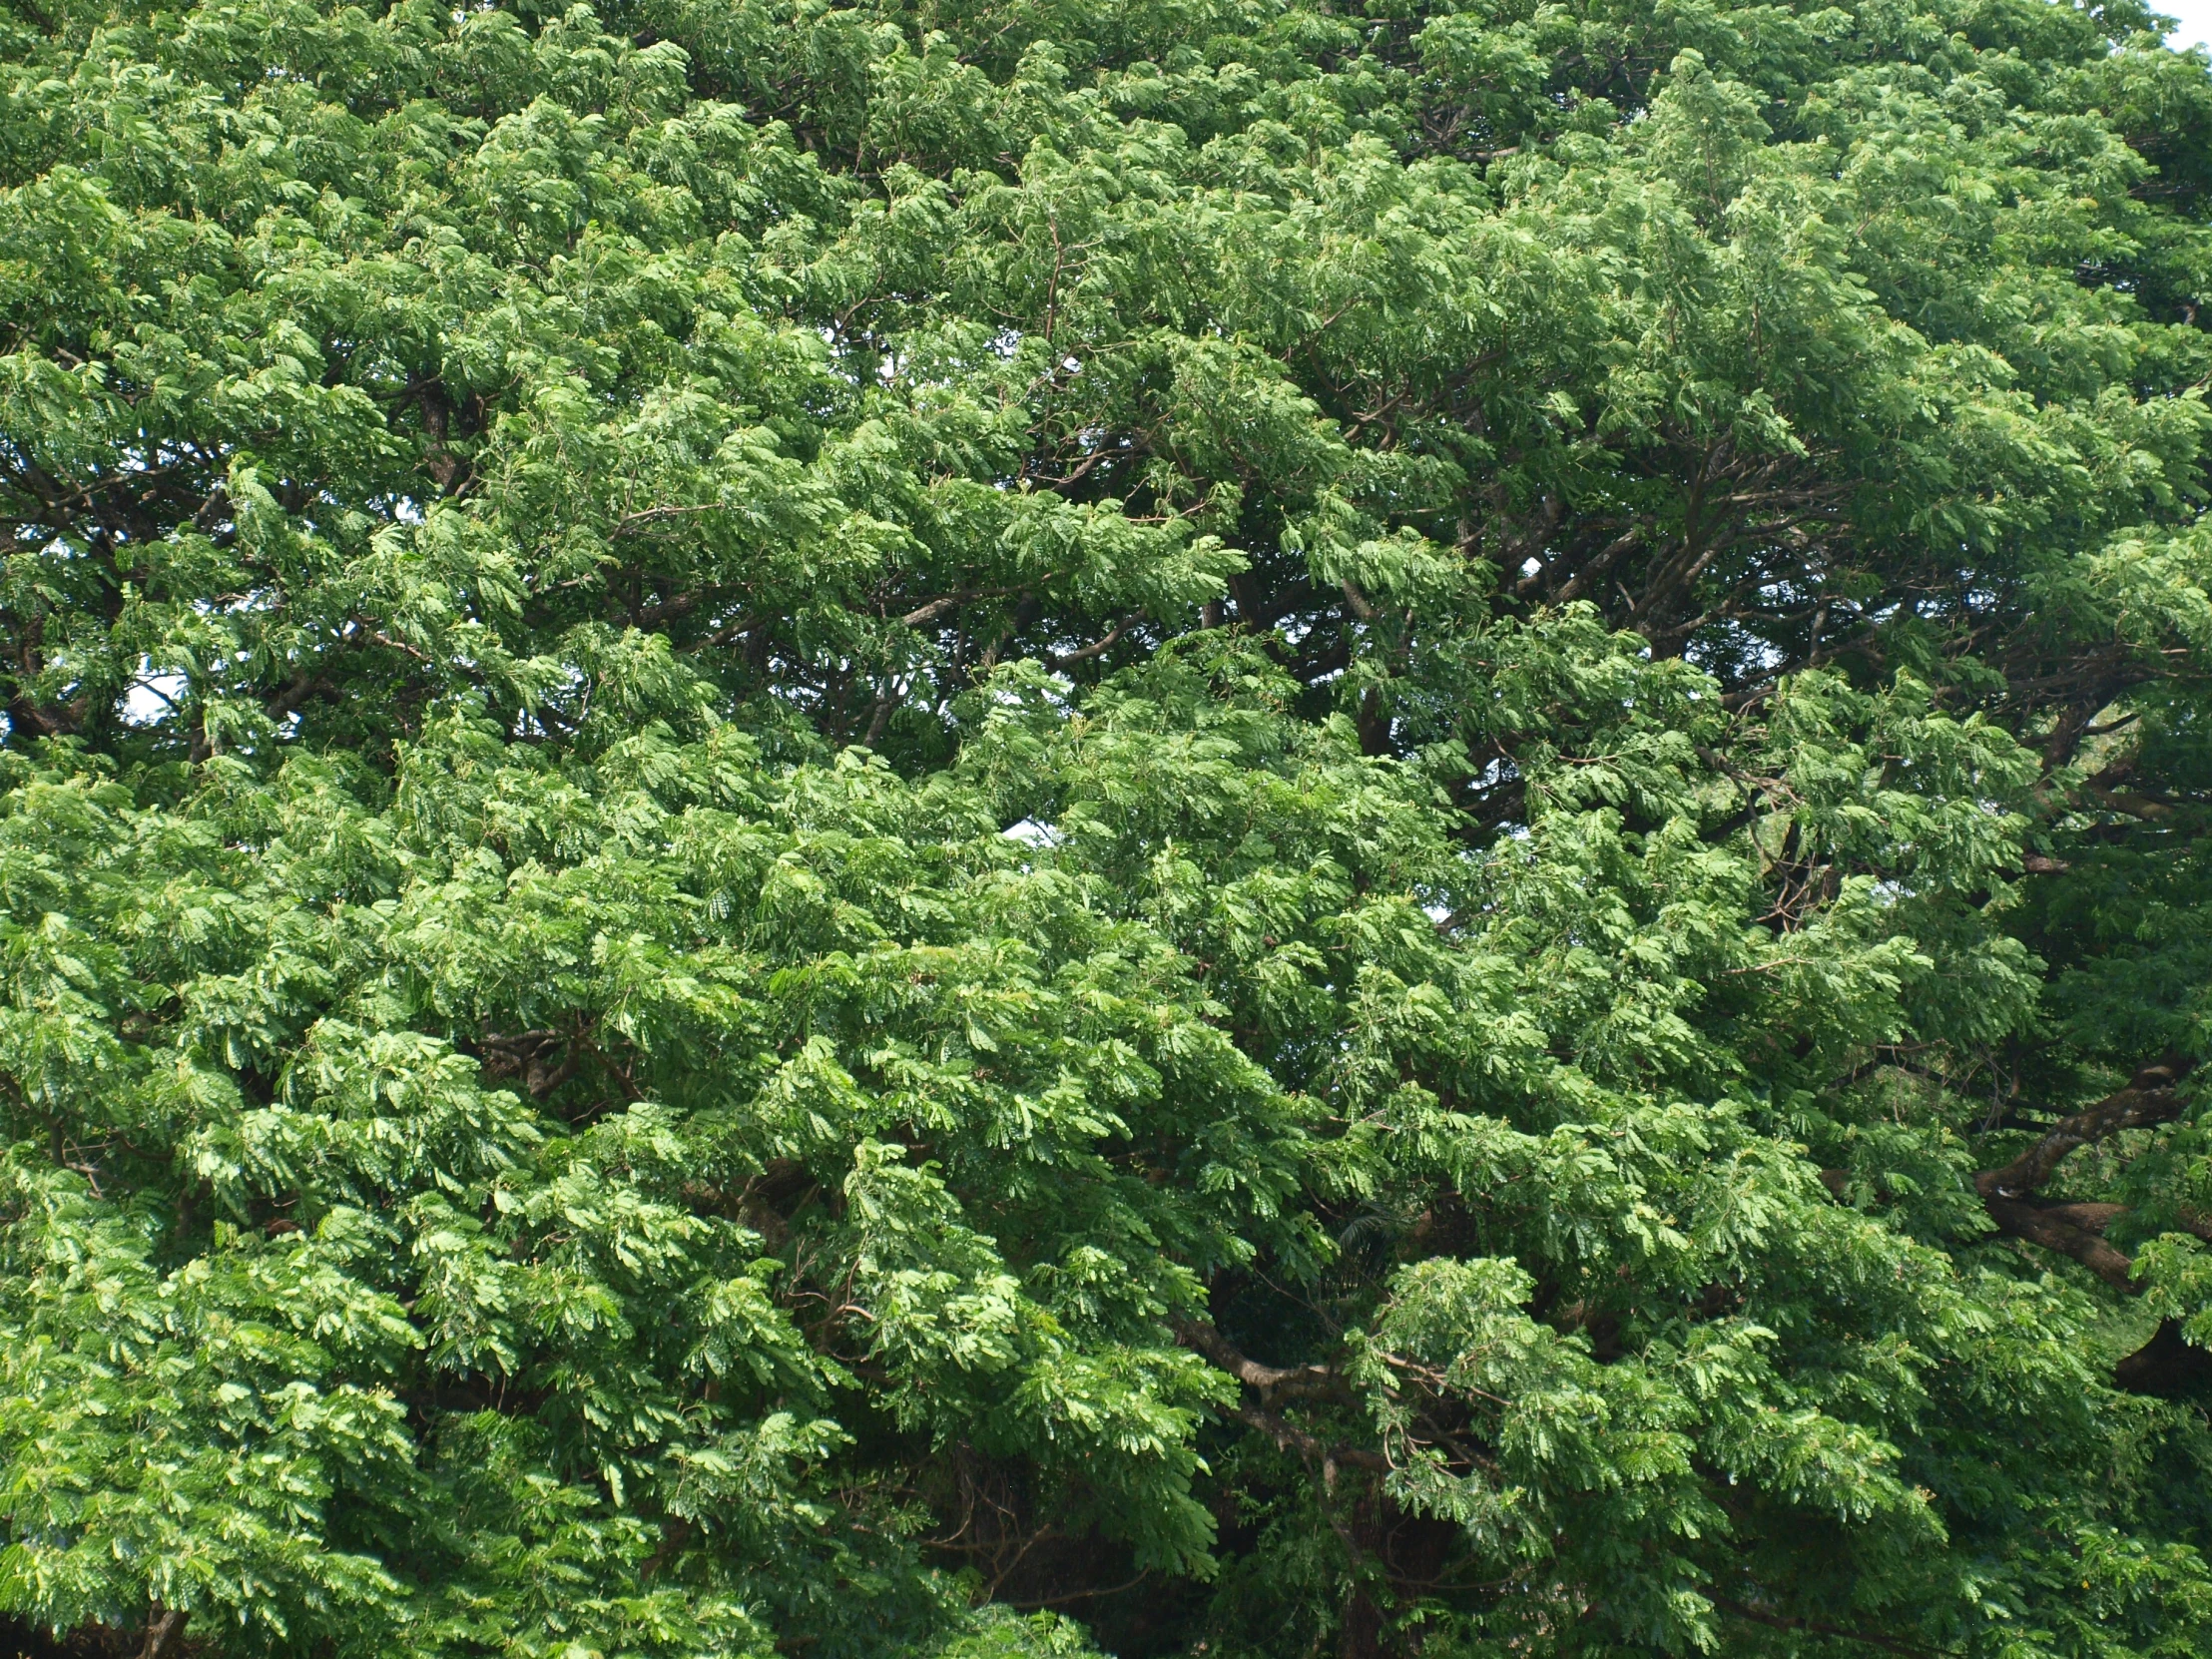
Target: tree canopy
(1029, 827)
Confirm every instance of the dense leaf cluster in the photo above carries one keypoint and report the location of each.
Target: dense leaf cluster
(1190, 826)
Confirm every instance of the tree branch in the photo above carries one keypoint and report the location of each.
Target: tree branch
(1812, 1627)
(1291, 1439)
(1097, 648)
(2148, 1098)
(2050, 1228)
(1202, 1339)
(162, 1631)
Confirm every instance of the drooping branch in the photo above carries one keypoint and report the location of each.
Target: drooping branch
(1097, 648)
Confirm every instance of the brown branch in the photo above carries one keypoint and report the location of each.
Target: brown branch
(725, 634)
(384, 639)
(286, 702)
(1812, 1627)
(887, 704)
(1292, 1438)
(2169, 1365)
(2129, 802)
(935, 609)
(161, 1633)
(2148, 1098)
(1064, 1599)
(930, 610)
(542, 1080)
(2050, 1229)
(525, 1040)
(1202, 1339)
(1097, 648)
(51, 721)
(2091, 1218)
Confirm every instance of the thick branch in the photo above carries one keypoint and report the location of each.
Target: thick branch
(2149, 1098)
(1202, 1339)
(2052, 1230)
(163, 1632)
(2169, 1365)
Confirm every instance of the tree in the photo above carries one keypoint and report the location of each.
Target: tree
(1217, 827)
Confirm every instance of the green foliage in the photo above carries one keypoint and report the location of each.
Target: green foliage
(1161, 827)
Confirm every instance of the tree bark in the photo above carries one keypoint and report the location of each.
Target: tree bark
(164, 1632)
(2167, 1365)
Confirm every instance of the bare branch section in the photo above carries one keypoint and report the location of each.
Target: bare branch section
(163, 1632)
(2166, 1363)
(1272, 1383)
(2149, 1098)
(2045, 1227)
(1204, 1340)
(2152, 1096)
